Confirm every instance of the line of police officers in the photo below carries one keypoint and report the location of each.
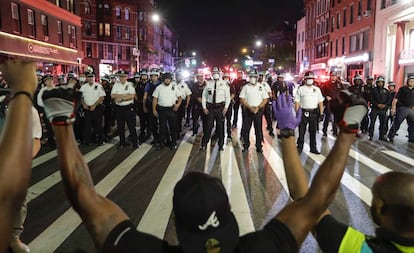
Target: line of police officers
(161, 103)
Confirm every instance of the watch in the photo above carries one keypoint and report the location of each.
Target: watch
(286, 133)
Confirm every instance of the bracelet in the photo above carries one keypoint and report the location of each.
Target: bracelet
(286, 133)
(30, 96)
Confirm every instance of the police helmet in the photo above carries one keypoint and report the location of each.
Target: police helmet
(380, 79)
(105, 78)
(253, 73)
(144, 72)
(216, 69)
(46, 77)
(391, 83)
(357, 77)
(226, 74)
(39, 72)
(370, 78)
(122, 73)
(137, 75)
(154, 72)
(309, 75)
(167, 75)
(89, 74)
(334, 73)
(411, 76)
(61, 76)
(72, 75)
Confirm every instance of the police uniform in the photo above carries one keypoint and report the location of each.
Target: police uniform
(108, 106)
(254, 96)
(380, 101)
(92, 100)
(237, 85)
(215, 99)
(268, 109)
(310, 99)
(125, 112)
(404, 110)
(149, 90)
(167, 97)
(49, 130)
(229, 112)
(185, 94)
(197, 108)
(139, 99)
(331, 89)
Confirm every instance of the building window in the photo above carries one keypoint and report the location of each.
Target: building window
(31, 22)
(58, 3)
(359, 8)
(331, 49)
(338, 20)
(69, 6)
(126, 14)
(101, 29)
(60, 31)
(351, 15)
(15, 11)
(412, 38)
(87, 5)
(332, 23)
(119, 52)
(88, 28)
(72, 36)
(118, 12)
(110, 52)
(118, 32)
(343, 45)
(100, 51)
(344, 19)
(368, 5)
(107, 10)
(383, 4)
(365, 40)
(142, 16)
(127, 33)
(45, 26)
(336, 47)
(128, 53)
(1, 26)
(107, 30)
(88, 49)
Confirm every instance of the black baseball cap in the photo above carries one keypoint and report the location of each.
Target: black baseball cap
(203, 217)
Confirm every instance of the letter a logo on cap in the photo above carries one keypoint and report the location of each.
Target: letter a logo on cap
(212, 221)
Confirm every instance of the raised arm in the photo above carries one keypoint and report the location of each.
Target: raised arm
(99, 214)
(16, 144)
(301, 215)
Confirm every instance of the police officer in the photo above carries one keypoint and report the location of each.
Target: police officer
(61, 80)
(185, 93)
(47, 85)
(330, 91)
(237, 84)
(197, 108)
(268, 108)
(93, 95)
(108, 106)
(215, 101)
(380, 101)
(123, 93)
(391, 89)
(403, 108)
(253, 97)
(309, 98)
(227, 79)
(139, 99)
(360, 90)
(147, 106)
(165, 104)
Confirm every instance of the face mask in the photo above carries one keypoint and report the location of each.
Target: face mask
(309, 81)
(253, 80)
(82, 79)
(216, 76)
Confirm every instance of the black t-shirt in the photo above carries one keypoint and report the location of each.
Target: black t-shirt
(405, 97)
(275, 237)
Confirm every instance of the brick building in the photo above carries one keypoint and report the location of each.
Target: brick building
(47, 32)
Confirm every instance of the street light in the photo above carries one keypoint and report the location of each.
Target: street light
(259, 43)
(244, 50)
(155, 17)
(194, 53)
(236, 60)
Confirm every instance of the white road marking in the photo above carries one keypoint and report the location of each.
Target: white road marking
(156, 216)
(399, 156)
(50, 239)
(231, 178)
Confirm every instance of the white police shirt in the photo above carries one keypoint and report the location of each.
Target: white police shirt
(183, 89)
(40, 94)
(123, 89)
(309, 97)
(167, 95)
(254, 94)
(92, 92)
(222, 93)
(36, 125)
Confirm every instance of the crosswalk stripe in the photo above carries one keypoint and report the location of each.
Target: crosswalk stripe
(365, 160)
(48, 182)
(156, 216)
(50, 239)
(44, 158)
(276, 163)
(399, 156)
(231, 178)
(353, 184)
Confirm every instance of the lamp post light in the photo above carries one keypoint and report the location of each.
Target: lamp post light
(258, 43)
(155, 17)
(194, 53)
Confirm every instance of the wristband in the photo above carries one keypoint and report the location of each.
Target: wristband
(286, 133)
(22, 93)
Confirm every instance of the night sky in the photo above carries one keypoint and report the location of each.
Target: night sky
(214, 28)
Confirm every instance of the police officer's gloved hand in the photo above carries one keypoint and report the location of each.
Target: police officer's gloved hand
(59, 105)
(349, 110)
(284, 112)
